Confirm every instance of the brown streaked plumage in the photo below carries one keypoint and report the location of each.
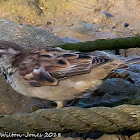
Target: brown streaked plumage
(55, 74)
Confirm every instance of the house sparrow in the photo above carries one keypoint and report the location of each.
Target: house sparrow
(53, 73)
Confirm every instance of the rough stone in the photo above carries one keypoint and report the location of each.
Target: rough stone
(108, 137)
(66, 12)
(130, 52)
(13, 102)
(106, 14)
(112, 91)
(68, 138)
(13, 9)
(27, 36)
(135, 68)
(135, 136)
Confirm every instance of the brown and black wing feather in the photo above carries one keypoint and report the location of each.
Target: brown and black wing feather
(47, 66)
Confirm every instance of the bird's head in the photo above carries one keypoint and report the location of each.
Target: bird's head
(10, 55)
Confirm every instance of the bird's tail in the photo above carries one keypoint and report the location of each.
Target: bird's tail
(126, 64)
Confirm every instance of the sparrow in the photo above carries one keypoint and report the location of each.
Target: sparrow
(53, 73)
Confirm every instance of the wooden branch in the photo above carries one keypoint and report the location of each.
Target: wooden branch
(104, 44)
(110, 120)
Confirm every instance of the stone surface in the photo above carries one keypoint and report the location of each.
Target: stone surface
(106, 14)
(13, 102)
(135, 136)
(68, 138)
(121, 86)
(130, 52)
(84, 31)
(108, 137)
(112, 91)
(63, 13)
(13, 9)
(27, 36)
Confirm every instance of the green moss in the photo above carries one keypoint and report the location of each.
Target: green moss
(104, 44)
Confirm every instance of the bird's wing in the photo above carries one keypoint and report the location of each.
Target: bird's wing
(47, 66)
